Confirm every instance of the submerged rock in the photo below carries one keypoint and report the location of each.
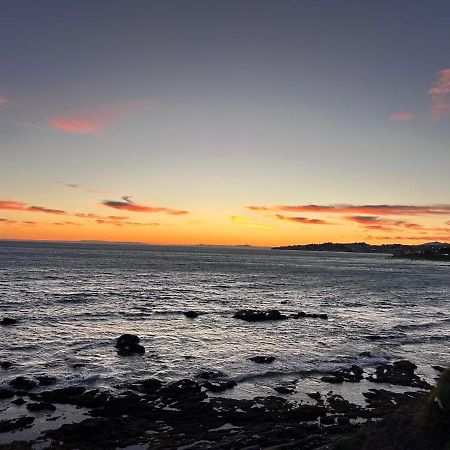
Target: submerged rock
(251, 315)
(191, 314)
(8, 321)
(128, 344)
(262, 359)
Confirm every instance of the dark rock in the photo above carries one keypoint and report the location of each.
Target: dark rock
(126, 340)
(18, 401)
(251, 315)
(63, 395)
(327, 420)
(400, 373)
(262, 359)
(343, 420)
(150, 385)
(5, 364)
(8, 321)
(354, 373)
(128, 344)
(335, 379)
(23, 383)
(45, 380)
(78, 365)
(314, 395)
(42, 406)
(301, 315)
(284, 389)
(219, 385)
(438, 368)
(15, 424)
(366, 354)
(181, 388)
(191, 314)
(6, 393)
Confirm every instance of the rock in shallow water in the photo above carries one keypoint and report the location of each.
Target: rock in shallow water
(400, 373)
(128, 344)
(22, 383)
(191, 314)
(251, 315)
(262, 359)
(8, 321)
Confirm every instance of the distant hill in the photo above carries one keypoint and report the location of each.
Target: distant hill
(439, 251)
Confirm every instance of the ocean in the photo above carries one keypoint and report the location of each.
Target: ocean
(73, 300)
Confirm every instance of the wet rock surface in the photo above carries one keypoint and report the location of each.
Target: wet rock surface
(191, 314)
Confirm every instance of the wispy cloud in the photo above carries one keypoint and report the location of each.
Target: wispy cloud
(305, 220)
(89, 121)
(11, 205)
(440, 94)
(401, 117)
(247, 223)
(119, 223)
(128, 205)
(381, 210)
(78, 187)
(4, 101)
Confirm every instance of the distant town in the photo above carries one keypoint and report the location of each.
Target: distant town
(435, 251)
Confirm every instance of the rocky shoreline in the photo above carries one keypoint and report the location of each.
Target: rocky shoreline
(201, 412)
(190, 413)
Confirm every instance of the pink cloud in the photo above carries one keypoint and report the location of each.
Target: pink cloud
(440, 94)
(382, 210)
(4, 101)
(90, 121)
(303, 220)
(401, 117)
(127, 204)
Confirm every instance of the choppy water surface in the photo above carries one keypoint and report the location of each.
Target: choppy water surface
(74, 300)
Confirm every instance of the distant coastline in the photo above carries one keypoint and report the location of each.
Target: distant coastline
(433, 251)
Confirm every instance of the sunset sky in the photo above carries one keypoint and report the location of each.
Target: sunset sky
(262, 122)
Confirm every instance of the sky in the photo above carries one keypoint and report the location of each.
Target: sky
(261, 122)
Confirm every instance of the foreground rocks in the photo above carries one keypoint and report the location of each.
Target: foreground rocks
(422, 423)
(166, 416)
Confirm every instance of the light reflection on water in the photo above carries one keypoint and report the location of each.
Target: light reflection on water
(73, 300)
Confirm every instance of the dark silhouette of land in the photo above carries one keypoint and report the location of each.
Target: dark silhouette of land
(434, 251)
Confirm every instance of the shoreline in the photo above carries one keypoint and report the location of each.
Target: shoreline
(202, 413)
